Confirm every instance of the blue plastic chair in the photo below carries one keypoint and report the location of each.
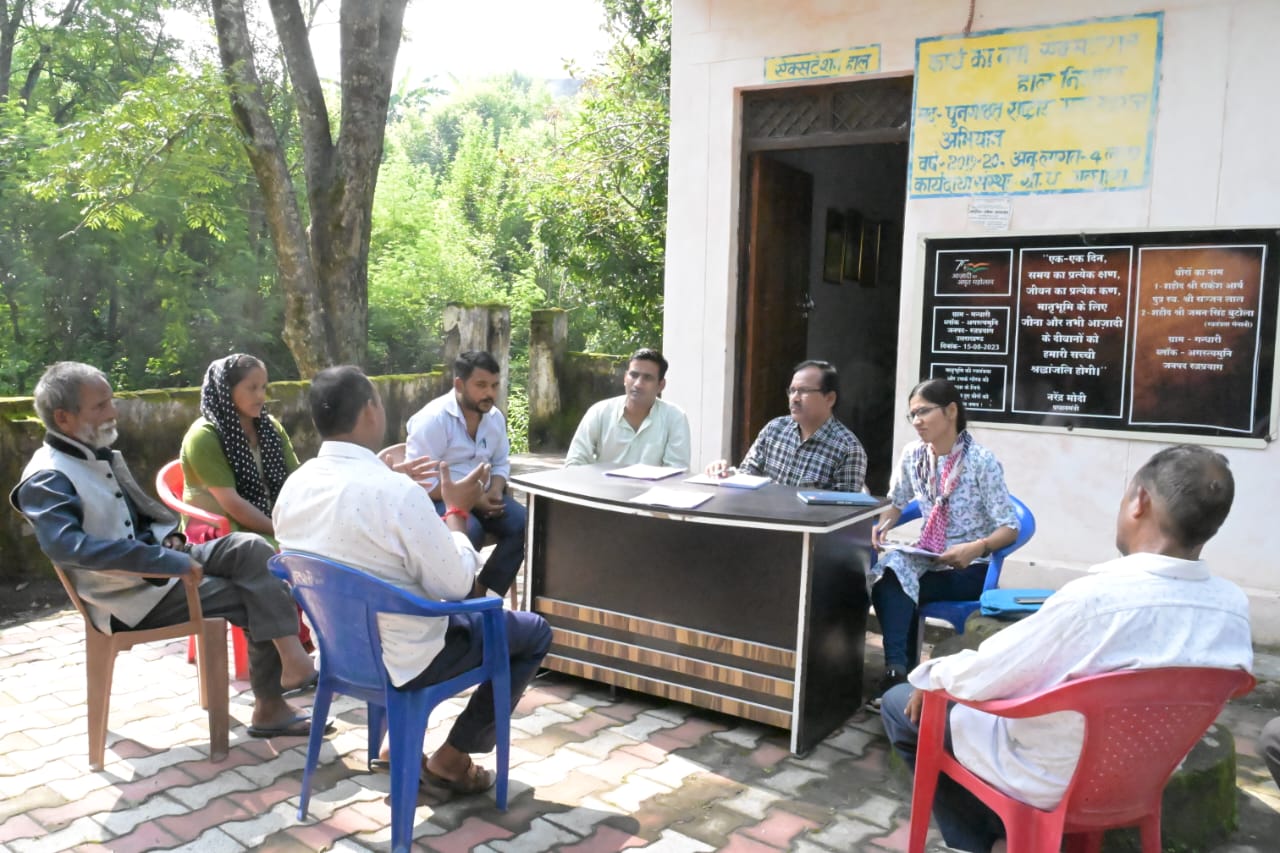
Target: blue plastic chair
(956, 612)
(342, 604)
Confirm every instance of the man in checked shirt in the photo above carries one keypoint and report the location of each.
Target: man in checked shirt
(809, 448)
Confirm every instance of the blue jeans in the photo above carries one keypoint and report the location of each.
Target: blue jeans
(528, 638)
(899, 615)
(500, 569)
(965, 821)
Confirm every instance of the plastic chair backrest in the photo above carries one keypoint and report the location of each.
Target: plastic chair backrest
(342, 605)
(169, 486)
(1139, 725)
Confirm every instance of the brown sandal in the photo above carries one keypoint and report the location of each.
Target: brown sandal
(475, 780)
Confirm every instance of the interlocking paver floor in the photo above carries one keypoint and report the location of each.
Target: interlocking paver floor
(591, 771)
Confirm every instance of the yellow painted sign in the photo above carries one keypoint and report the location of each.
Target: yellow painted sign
(827, 63)
(1068, 108)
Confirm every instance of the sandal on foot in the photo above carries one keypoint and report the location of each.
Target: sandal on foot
(299, 725)
(476, 780)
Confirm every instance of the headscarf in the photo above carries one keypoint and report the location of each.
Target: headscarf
(938, 486)
(219, 410)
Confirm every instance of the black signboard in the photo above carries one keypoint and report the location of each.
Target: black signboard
(1156, 331)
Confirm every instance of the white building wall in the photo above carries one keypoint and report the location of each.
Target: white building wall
(1213, 165)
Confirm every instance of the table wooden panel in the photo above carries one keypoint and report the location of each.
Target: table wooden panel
(723, 606)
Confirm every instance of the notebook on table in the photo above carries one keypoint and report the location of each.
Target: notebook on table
(825, 498)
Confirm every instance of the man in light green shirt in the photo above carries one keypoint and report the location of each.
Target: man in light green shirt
(638, 428)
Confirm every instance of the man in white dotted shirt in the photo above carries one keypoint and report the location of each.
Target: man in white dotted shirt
(1156, 606)
(348, 506)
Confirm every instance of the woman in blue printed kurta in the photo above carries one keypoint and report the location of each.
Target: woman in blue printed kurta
(967, 514)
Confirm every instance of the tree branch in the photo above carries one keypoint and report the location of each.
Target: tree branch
(313, 115)
(33, 73)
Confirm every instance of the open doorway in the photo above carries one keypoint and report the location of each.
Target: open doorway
(824, 197)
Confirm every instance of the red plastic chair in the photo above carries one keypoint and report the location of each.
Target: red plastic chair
(169, 485)
(1139, 725)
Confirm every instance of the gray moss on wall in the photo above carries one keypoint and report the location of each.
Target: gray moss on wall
(152, 424)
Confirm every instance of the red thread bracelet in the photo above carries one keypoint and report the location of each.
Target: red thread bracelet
(453, 510)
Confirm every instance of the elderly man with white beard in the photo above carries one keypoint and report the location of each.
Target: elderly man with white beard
(91, 519)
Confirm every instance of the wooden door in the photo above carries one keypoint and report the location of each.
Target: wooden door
(775, 296)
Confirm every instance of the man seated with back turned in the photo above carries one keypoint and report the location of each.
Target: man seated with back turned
(1156, 606)
(92, 520)
(810, 447)
(637, 428)
(347, 506)
(463, 428)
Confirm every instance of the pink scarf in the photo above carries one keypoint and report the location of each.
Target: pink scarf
(938, 486)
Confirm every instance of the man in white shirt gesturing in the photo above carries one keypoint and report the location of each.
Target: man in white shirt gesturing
(348, 506)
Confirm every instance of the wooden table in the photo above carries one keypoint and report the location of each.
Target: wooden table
(752, 604)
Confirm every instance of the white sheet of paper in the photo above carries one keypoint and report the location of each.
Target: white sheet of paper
(737, 481)
(675, 498)
(644, 472)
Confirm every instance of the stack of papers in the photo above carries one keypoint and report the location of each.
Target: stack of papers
(644, 472)
(736, 481)
(676, 498)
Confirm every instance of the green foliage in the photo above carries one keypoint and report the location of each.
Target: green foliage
(133, 235)
(602, 200)
(459, 234)
(170, 128)
(518, 419)
(132, 240)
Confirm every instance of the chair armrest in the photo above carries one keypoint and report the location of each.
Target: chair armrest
(1034, 705)
(171, 499)
(194, 610)
(397, 601)
(194, 512)
(1047, 701)
(418, 606)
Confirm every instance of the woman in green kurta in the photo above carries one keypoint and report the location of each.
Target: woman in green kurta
(235, 457)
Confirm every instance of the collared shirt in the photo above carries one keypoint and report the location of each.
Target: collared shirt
(604, 435)
(1143, 611)
(348, 506)
(831, 458)
(439, 430)
(978, 507)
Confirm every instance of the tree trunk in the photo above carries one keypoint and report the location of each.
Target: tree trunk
(323, 269)
(10, 21)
